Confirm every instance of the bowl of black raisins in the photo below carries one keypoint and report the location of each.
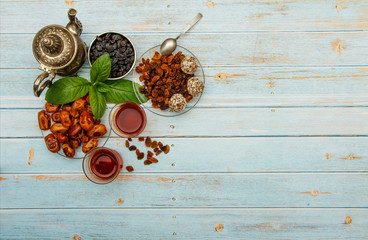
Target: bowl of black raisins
(120, 49)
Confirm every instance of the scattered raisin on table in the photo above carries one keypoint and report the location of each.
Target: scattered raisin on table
(132, 148)
(167, 150)
(148, 142)
(140, 156)
(147, 162)
(137, 151)
(158, 152)
(152, 159)
(127, 144)
(129, 168)
(154, 144)
(141, 139)
(130, 139)
(149, 154)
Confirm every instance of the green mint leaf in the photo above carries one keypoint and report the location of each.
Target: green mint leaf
(102, 87)
(101, 69)
(66, 90)
(97, 101)
(122, 90)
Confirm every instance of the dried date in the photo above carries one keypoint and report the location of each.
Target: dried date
(52, 143)
(97, 131)
(68, 150)
(44, 120)
(90, 145)
(50, 108)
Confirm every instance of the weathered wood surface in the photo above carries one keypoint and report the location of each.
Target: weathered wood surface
(187, 190)
(252, 154)
(172, 16)
(276, 148)
(238, 223)
(242, 49)
(223, 122)
(236, 87)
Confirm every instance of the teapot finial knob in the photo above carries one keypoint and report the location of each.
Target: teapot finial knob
(52, 45)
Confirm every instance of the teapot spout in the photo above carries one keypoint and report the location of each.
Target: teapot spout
(74, 25)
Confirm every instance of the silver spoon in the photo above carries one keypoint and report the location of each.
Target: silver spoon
(169, 45)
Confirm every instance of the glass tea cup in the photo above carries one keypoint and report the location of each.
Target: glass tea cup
(127, 119)
(102, 165)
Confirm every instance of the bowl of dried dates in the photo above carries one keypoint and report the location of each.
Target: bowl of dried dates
(174, 83)
(121, 51)
(71, 130)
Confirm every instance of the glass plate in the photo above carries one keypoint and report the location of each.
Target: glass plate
(79, 154)
(148, 105)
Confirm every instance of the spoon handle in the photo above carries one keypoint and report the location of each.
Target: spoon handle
(194, 21)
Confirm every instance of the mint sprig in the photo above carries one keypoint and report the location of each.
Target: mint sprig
(100, 90)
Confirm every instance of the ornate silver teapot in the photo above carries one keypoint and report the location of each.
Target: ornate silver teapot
(59, 50)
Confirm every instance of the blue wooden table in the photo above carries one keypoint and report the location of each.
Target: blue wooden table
(277, 148)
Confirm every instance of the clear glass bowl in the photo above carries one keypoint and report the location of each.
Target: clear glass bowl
(79, 154)
(148, 105)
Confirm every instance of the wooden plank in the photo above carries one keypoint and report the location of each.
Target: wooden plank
(184, 223)
(235, 87)
(186, 190)
(169, 16)
(235, 122)
(278, 154)
(243, 49)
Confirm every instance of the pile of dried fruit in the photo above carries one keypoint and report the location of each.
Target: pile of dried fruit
(158, 148)
(73, 124)
(163, 77)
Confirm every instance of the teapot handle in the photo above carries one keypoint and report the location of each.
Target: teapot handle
(37, 89)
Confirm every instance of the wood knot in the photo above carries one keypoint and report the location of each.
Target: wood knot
(210, 4)
(348, 220)
(315, 193)
(219, 227)
(351, 157)
(77, 237)
(338, 46)
(221, 76)
(270, 84)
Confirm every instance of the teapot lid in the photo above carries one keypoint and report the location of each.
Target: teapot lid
(54, 46)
